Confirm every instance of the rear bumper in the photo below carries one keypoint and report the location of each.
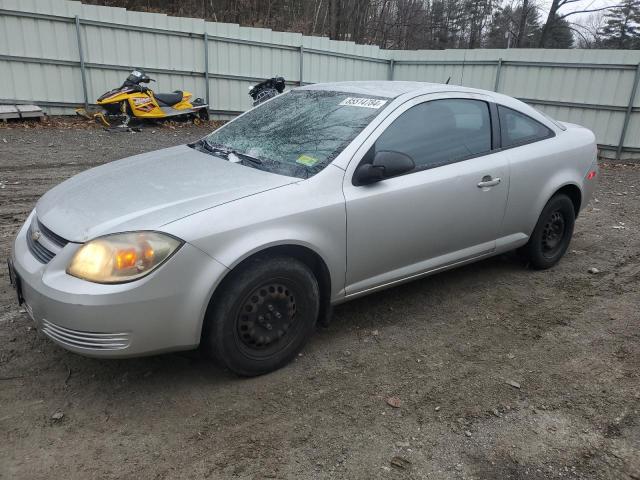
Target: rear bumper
(158, 313)
(589, 184)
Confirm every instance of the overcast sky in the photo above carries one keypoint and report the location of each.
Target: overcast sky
(582, 5)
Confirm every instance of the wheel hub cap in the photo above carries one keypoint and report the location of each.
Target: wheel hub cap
(266, 316)
(553, 232)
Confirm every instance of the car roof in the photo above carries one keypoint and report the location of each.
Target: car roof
(390, 89)
(394, 88)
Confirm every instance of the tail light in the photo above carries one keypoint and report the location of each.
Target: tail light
(591, 175)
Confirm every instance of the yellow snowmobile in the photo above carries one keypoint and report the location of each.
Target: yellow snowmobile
(133, 99)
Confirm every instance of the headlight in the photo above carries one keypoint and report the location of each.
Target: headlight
(122, 257)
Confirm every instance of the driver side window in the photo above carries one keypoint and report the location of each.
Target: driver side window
(438, 132)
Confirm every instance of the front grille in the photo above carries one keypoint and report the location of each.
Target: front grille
(43, 243)
(38, 250)
(57, 239)
(87, 340)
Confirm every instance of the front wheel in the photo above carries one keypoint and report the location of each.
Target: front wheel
(552, 234)
(262, 315)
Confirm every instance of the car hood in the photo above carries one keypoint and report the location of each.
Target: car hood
(147, 191)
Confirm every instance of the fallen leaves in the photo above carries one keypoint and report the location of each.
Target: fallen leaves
(70, 122)
(393, 402)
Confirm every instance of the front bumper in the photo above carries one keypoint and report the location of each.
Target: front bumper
(160, 312)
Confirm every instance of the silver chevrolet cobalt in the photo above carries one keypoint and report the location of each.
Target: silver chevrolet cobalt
(242, 241)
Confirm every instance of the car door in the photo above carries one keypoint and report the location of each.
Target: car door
(447, 210)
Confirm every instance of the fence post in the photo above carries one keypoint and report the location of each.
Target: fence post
(206, 69)
(497, 83)
(627, 115)
(391, 68)
(301, 63)
(82, 69)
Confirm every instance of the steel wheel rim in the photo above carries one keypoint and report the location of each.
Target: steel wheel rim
(553, 233)
(266, 321)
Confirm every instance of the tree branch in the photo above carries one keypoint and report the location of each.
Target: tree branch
(578, 32)
(561, 3)
(560, 17)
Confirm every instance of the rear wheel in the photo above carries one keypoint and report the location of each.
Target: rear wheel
(552, 234)
(263, 315)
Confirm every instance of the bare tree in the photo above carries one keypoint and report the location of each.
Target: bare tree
(554, 18)
(400, 24)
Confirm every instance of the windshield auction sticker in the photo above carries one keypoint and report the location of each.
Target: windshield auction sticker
(363, 102)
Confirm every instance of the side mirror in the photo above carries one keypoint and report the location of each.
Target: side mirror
(386, 164)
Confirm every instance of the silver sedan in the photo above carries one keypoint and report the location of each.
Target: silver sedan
(242, 241)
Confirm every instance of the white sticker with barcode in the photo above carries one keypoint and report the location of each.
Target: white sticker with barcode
(363, 102)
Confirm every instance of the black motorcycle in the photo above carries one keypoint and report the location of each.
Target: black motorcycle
(266, 89)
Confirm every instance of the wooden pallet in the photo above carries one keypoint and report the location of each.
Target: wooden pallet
(9, 112)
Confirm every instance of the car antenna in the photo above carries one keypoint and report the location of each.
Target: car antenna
(447, 82)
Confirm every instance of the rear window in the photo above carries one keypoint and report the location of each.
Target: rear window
(552, 120)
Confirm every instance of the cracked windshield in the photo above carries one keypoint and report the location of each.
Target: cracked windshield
(297, 133)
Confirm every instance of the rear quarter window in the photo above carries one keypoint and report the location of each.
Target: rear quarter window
(516, 128)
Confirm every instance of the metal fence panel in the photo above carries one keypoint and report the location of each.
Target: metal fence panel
(588, 87)
(41, 42)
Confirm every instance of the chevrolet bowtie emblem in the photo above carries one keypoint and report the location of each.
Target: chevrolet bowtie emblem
(35, 235)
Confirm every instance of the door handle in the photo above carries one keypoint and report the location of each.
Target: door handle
(488, 181)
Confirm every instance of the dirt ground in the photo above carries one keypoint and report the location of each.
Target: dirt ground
(501, 372)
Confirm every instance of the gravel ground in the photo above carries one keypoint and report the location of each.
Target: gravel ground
(497, 371)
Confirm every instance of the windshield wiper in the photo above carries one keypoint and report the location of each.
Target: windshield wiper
(244, 156)
(224, 151)
(211, 148)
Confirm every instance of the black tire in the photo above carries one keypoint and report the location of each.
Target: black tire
(203, 114)
(263, 315)
(552, 234)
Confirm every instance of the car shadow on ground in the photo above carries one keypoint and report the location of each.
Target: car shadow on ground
(182, 369)
(454, 282)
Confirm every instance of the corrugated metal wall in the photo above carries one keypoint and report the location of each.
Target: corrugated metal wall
(40, 63)
(588, 87)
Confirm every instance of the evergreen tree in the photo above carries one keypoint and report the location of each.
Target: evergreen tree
(560, 35)
(509, 26)
(500, 27)
(621, 29)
